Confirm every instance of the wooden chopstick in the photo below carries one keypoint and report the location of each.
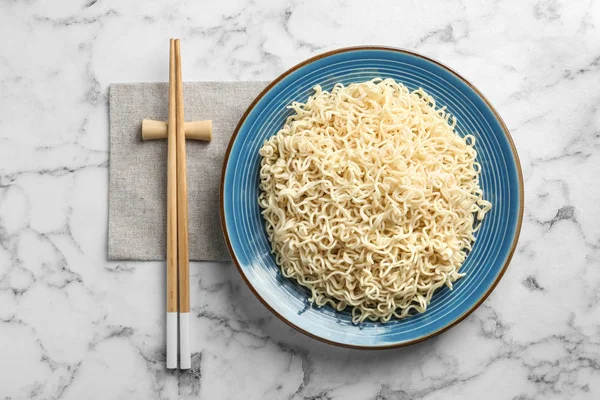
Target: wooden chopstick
(172, 294)
(182, 222)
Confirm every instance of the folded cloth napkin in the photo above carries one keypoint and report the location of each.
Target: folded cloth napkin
(137, 194)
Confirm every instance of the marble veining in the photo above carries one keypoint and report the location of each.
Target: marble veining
(74, 326)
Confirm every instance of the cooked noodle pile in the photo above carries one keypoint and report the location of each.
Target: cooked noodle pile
(370, 198)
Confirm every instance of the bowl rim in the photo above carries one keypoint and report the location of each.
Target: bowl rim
(507, 134)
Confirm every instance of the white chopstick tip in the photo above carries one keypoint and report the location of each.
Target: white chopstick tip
(171, 340)
(185, 357)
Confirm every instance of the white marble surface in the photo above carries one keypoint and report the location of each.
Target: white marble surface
(74, 326)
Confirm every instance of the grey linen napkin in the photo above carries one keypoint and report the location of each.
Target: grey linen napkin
(138, 172)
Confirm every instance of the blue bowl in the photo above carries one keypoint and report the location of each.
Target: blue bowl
(501, 180)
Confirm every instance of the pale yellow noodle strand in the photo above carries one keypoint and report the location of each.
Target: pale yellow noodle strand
(371, 200)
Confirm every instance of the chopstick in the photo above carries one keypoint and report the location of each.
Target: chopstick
(172, 294)
(182, 222)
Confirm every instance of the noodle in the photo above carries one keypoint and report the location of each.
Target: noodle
(371, 199)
